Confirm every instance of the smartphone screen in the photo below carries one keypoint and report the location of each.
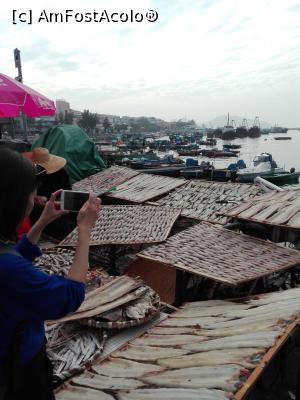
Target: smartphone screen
(73, 201)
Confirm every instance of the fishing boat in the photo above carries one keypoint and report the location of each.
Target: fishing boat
(220, 175)
(215, 153)
(283, 178)
(231, 146)
(278, 129)
(186, 152)
(263, 164)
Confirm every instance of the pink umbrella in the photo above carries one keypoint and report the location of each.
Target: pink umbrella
(16, 97)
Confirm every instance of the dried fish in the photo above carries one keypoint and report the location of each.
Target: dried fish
(295, 221)
(257, 339)
(220, 377)
(241, 357)
(283, 216)
(145, 187)
(120, 368)
(148, 353)
(172, 394)
(161, 330)
(203, 248)
(167, 340)
(104, 180)
(129, 225)
(106, 382)
(78, 393)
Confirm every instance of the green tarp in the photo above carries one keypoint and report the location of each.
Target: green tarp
(72, 143)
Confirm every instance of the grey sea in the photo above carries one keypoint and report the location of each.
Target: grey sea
(286, 153)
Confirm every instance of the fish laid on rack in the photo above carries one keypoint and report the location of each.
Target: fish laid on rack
(240, 357)
(172, 394)
(76, 393)
(102, 382)
(258, 339)
(148, 353)
(218, 377)
(121, 368)
(168, 340)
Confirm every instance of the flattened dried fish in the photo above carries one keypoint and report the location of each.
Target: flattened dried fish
(172, 394)
(167, 340)
(148, 353)
(257, 339)
(283, 216)
(105, 382)
(220, 377)
(215, 357)
(295, 221)
(78, 393)
(196, 322)
(120, 368)
(157, 330)
(254, 209)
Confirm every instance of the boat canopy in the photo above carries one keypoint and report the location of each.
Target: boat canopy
(72, 143)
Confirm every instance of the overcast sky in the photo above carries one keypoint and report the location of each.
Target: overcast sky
(200, 59)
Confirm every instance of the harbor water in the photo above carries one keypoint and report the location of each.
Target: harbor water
(286, 153)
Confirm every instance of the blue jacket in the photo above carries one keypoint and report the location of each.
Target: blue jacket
(27, 294)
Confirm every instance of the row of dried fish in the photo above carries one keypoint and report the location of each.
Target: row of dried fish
(196, 353)
(145, 187)
(222, 255)
(129, 224)
(104, 180)
(279, 208)
(58, 260)
(196, 359)
(204, 200)
(76, 393)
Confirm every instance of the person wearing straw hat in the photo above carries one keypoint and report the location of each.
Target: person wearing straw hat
(42, 157)
(54, 177)
(28, 296)
(48, 164)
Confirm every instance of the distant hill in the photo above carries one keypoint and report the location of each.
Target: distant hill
(222, 120)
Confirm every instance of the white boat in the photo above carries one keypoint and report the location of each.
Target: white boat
(263, 164)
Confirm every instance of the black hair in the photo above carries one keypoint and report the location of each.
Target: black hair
(17, 181)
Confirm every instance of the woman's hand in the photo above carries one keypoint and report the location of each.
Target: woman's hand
(88, 214)
(52, 210)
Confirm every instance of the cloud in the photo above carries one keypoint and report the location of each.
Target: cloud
(196, 52)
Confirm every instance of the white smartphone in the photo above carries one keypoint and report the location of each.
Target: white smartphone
(73, 201)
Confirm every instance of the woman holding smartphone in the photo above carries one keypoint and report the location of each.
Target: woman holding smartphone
(28, 296)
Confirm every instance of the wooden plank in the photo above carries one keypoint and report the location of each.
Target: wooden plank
(265, 361)
(159, 277)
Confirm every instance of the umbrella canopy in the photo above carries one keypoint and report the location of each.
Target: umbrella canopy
(16, 97)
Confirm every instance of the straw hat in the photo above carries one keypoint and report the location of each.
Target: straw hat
(42, 157)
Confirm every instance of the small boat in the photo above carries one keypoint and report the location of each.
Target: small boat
(189, 152)
(282, 138)
(283, 178)
(231, 146)
(263, 164)
(215, 153)
(278, 129)
(208, 142)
